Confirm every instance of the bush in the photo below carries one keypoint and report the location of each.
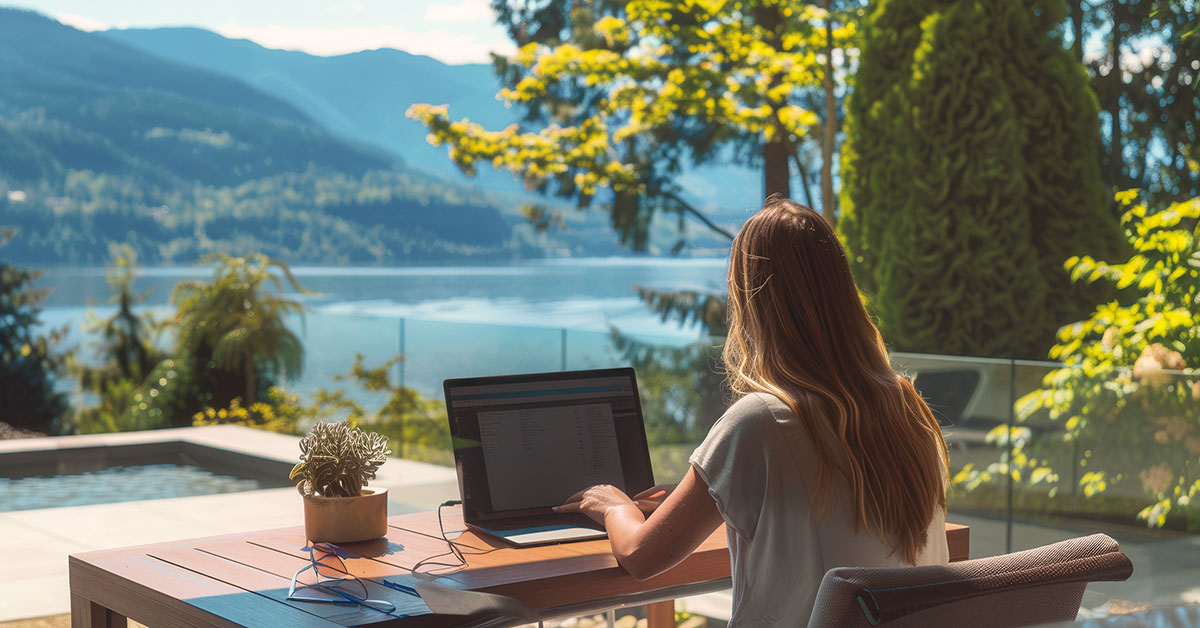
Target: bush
(1126, 402)
(280, 413)
(416, 425)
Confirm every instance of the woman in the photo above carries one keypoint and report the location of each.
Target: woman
(828, 458)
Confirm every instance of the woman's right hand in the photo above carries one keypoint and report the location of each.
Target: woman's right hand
(650, 499)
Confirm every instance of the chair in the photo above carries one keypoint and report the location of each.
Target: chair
(948, 393)
(1036, 586)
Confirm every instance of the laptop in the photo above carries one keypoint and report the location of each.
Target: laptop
(525, 443)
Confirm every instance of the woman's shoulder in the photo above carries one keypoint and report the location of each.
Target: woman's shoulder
(757, 408)
(759, 403)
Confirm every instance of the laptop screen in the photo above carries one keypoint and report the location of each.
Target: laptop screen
(525, 443)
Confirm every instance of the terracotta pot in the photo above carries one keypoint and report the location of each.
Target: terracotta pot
(345, 519)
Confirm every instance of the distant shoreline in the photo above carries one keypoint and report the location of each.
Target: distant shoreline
(199, 269)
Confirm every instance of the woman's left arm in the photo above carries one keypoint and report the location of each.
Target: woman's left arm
(648, 547)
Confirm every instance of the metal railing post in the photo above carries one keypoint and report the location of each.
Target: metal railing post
(403, 358)
(1012, 401)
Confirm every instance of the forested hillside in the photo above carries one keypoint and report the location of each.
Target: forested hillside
(101, 143)
(313, 216)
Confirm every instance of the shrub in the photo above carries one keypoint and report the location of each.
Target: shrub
(416, 423)
(281, 413)
(1128, 394)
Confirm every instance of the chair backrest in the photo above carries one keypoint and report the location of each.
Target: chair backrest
(1035, 586)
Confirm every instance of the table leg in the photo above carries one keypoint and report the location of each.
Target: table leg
(88, 614)
(660, 614)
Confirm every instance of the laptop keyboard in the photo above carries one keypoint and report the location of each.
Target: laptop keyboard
(573, 520)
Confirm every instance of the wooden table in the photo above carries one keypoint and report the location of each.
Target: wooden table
(242, 580)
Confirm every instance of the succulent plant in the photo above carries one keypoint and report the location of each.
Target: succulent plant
(337, 460)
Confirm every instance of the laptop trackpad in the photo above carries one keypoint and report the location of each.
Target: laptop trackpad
(539, 535)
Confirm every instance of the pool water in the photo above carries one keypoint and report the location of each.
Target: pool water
(117, 484)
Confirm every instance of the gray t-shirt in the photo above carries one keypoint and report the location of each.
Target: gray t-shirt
(759, 464)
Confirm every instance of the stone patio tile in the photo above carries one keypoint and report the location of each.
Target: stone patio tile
(211, 515)
(422, 497)
(35, 597)
(27, 552)
(398, 472)
(105, 526)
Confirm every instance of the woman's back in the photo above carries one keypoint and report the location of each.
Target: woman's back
(761, 469)
(829, 459)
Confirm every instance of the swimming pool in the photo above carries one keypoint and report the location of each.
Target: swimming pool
(58, 478)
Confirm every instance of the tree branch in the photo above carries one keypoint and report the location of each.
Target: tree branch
(803, 169)
(687, 208)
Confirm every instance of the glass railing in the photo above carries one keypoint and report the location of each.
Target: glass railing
(1026, 469)
(1040, 453)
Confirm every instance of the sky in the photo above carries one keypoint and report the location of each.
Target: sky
(452, 31)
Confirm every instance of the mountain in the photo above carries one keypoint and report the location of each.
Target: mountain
(73, 100)
(103, 143)
(364, 96)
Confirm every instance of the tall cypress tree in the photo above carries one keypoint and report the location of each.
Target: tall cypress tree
(971, 173)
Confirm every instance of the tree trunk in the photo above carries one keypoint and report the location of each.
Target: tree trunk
(775, 169)
(1075, 11)
(251, 382)
(1116, 161)
(776, 173)
(802, 168)
(828, 202)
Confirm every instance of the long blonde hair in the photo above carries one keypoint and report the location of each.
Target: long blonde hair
(798, 330)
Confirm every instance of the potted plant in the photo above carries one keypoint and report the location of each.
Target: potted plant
(336, 461)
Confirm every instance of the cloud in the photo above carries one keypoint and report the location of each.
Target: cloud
(445, 46)
(465, 11)
(82, 23)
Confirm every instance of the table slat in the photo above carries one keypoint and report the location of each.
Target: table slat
(159, 594)
(274, 587)
(390, 560)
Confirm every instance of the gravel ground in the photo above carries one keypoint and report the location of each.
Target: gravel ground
(8, 432)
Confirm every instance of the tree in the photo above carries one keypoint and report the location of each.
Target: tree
(127, 344)
(970, 174)
(128, 352)
(29, 361)
(627, 94)
(848, 13)
(1145, 73)
(233, 331)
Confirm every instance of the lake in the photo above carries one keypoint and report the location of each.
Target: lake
(449, 321)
